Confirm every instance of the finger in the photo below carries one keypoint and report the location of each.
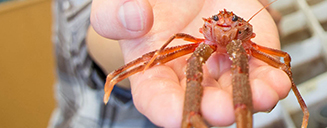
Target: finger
(218, 64)
(217, 107)
(264, 98)
(276, 78)
(158, 95)
(278, 81)
(269, 85)
(121, 19)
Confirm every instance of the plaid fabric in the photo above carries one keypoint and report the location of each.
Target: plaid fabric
(79, 88)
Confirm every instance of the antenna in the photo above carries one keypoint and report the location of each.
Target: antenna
(261, 10)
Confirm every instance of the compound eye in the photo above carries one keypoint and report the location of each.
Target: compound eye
(235, 18)
(215, 18)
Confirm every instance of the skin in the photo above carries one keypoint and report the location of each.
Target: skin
(158, 92)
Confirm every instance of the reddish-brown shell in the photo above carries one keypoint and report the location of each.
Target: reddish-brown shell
(224, 27)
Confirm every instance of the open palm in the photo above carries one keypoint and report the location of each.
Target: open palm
(158, 92)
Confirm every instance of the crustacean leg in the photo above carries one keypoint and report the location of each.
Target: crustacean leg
(184, 36)
(242, 94)
(194, 89)
(264, 54)
(275, 52)
(150, 59)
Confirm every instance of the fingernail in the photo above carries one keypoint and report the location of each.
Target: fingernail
(131, 17)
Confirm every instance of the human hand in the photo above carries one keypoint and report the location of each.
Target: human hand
(158, 93)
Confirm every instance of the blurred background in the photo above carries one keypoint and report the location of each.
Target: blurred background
(302, 29)
(26, 64)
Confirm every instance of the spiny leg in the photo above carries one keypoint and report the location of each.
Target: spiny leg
(287, 69)
(242, 95)
(145, 58)
(139, 65)
(271, 51)
(186, 37)
(194, 90)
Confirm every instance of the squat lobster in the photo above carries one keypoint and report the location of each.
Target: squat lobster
(224, 31)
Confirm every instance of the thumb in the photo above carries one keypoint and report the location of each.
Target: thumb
(121, 19)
